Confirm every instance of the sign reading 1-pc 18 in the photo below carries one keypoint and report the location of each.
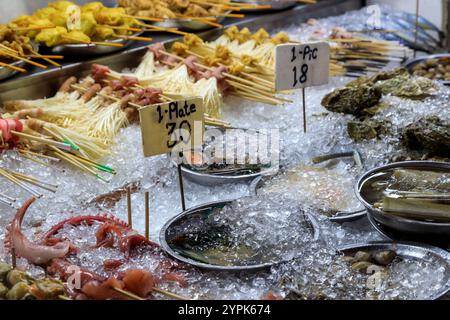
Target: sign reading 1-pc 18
(301, 65)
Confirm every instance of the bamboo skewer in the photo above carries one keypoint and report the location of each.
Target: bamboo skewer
(22, 185)
(2, 64)
(134, 38)
(61, 145)
(100, 43)
(147, 215)
(130, 214)
(15, 56)
(143, 18)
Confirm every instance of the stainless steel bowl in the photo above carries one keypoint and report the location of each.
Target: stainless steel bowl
(410, 250)
(206, 179)
(412, 62)
(339, 217)
(275, 5)
(165, 237)
(92, 49)
(423, 231)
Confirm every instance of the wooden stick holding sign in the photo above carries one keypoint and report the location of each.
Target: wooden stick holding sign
(300, 66)
(416, 29)
(173, 127)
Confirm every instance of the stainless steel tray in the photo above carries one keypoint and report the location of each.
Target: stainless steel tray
(412, 62)
(410, 250)
(91, 49)
(195, 25)
(206, 209)
(275, 5)
(339, 217)
(422, 231)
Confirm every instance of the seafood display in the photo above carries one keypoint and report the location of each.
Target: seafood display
(328, 190)
(260, 208)
(238, 234)
(433, 68)
(415, 194)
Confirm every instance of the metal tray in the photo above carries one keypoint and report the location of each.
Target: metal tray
(276, 5)
(339, 217)
(164, 235)
(411, 251)
(423, 231)
(91, 49)
(412, 62)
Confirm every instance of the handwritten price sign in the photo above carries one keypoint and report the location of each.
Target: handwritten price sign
(301, 65)
(168, 125)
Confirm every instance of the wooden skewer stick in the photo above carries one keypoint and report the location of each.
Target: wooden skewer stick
(15, 56)
(147, 215)
(127, 294)
(38, 155)
(123, 28)
(212, 4)
(61, 145)
(20, 183)
(48, 58)
(171, 30)
(13, 258)
(143, 18)
(170, 294)
(2, 64)
(42, 56)
(100, 43)
(134, 38)
(130, 215)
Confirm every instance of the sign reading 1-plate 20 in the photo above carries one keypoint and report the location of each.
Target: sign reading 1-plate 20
(301, 65)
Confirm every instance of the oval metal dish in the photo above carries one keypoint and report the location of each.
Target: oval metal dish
(412, 62)
(276, 5)
(91, 49)
(339, 217)
(411, 251)
(423, 231)
(165, 237)
(206, 179)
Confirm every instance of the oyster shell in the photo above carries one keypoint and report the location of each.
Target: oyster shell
(367, 129)
(429, 134)
(352, 100)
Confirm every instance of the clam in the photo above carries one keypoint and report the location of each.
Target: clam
(384, 257)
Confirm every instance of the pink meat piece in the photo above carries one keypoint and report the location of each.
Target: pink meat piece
(99, 72)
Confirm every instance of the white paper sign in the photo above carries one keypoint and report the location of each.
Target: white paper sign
(171, 125)
(301, 65)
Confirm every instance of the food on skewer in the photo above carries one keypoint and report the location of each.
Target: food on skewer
(175, 9)
(60, 258)
(96, 23)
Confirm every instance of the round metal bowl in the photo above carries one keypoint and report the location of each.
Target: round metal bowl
(412, 62)
(339, 217)
(165, 237)
(206, 179)
(423, 231)
(275, 5)
(91, 49)
(409, 250)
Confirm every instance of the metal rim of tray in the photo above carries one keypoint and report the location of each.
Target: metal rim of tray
(405, 223)
(420, 250)
(212, 179)
(93, 49)
(412, 62)
(166, 247)
(276, 5)
(339, 217)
